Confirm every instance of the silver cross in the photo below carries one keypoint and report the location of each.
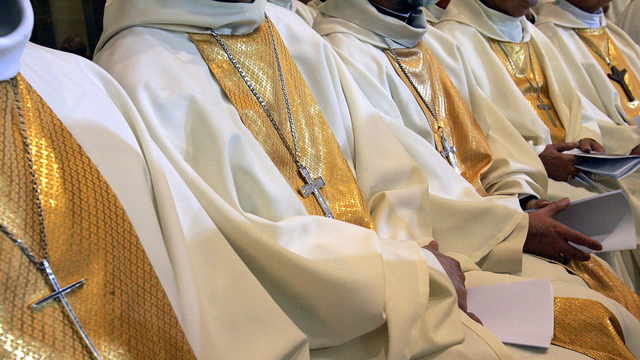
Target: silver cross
(449, 152)
(59, 293)
(312, 187)
(546, 108)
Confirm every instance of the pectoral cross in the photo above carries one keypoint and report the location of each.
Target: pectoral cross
(618, 76)
(547, 108)
(449, 152)
(59, 293)
(312, 187)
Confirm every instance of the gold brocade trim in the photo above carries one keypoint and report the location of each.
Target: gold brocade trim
(460, 126)
(600, 279)
(122, 307)
(588, 327)
(520, 55)
(319, 149)
(598, 39)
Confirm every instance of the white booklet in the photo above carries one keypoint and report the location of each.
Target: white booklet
(607, 218)
(610, 165)
(518, 313)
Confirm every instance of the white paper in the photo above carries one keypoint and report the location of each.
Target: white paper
(606, 218)
(611, 165)
(518, 313)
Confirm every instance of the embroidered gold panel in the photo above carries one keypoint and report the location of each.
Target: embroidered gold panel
(598, 39)
(523, 76)
(602, 280)
(460, 126)
(319, 149)
(588, 327)
(122, 306)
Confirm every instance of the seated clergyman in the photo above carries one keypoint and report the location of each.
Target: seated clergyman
(67, 129)
(404, 77)
(75, 280)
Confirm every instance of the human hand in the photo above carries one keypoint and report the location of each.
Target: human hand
(549, 238)
(559, 166)
(588, 145)
(536, 204)
(454, 271)
(635, 151)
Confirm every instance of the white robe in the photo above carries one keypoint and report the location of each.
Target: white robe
(338, 282)
(629, 21)
(616, 9)
(232, 317)
(307, 13)
(497, 247)
(558, 24)
(351, 28)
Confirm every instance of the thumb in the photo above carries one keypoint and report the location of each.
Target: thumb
(564, 146)
(555, 207)
(432, 245)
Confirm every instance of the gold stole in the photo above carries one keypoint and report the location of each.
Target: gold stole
(598, 39)
(319, 149)
(122, 307)
(460, 127)
(520, 55)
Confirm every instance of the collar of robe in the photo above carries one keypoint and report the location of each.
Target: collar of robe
(182, 16)
(562, 13)
(362, 14)
(490, 23)
(590, 20)
(436, 11)
(16, 24)
(287, 4)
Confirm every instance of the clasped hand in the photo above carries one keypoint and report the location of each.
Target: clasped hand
(454, 271)
(561, 167)
(550, 239)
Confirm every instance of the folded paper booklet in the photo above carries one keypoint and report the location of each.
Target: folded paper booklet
(613, 166)
(606, 218)
(518, 313)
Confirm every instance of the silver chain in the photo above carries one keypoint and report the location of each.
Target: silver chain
(432, 109)
(294, 154)
(36, 187)
(537, 86)
(596, 51)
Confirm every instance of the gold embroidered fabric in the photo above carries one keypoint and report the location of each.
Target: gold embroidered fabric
(319, 149)
(588, 327)
(520, 55)
(598, 39)
(122, 306)
(460, 127)
(600, 279)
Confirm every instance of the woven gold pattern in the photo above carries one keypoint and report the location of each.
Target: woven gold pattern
(520, 55)
(588, 327)
(460, 127)
(122, 306)
(600, 279)
(319, 150)
(598, 39)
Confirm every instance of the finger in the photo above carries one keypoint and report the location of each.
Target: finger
(555, 207)
(572, 253)
(574, 171)
(474, 317)
(462, 299)
(580, 239)
(597, 147)
(542, 203)
(585, 145)
(564, 146)
(432, 245)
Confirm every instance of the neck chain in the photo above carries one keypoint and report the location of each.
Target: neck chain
(537, 87)
(616, 75)
(43, 265)
(312, 186)
(448, 151)
(604, 56)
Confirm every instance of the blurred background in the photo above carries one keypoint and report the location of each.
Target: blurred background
(71, 25)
